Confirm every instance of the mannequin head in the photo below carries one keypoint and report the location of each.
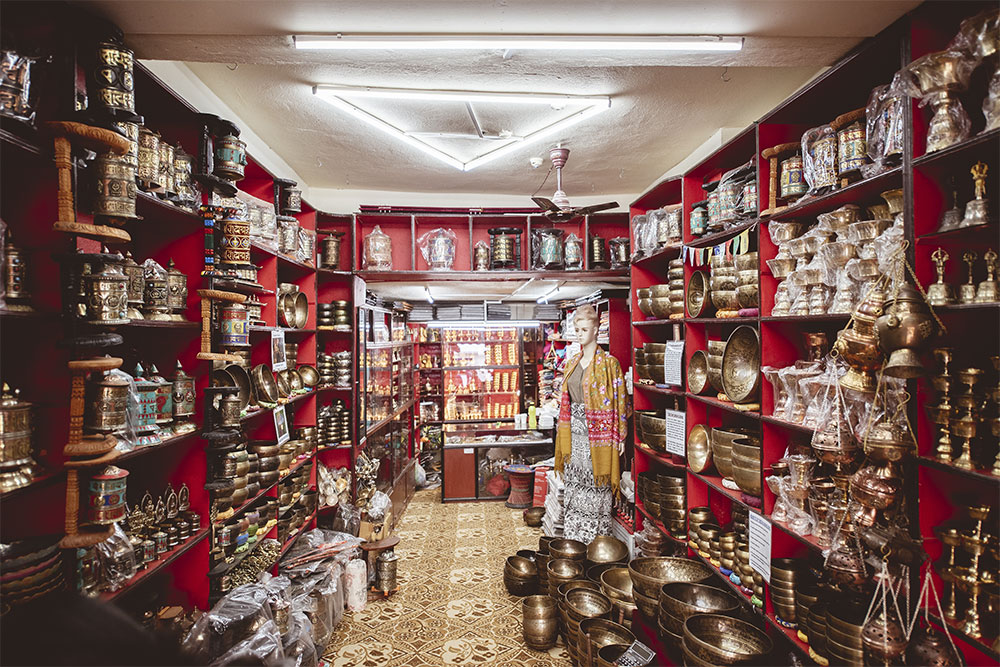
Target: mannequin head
(585, 322)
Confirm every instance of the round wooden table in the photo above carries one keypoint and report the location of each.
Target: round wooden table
(522, 484)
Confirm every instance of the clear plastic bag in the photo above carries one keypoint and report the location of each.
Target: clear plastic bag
(377, 507)
(299, 649)
(819, 159)
(238, 615)
(377, 254)
(437, 247)
(19, 102)
(263, 647)
(884, 132)
(934, 78)
(127, 435)
(547, 249)
(117, 559)
(306, 251)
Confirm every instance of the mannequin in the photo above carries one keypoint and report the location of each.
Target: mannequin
(593, 424)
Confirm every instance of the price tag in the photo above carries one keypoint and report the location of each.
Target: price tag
(760, 545)
(278, 361)
(281, 424)
(673, 360)
(676, 432)
(467, 450)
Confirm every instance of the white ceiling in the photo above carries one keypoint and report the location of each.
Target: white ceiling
(663, 106)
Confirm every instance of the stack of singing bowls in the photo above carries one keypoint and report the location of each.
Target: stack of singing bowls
(746, 459)
(747, 283)
(562, 571)
(673, 503)
(653, 355)
(520, 576)
(616, 583)
(750, 580)
(722, 446)
(653, 427)
(722, 283)
(784, 580)
(714, 350)
(714, 639)
(582, 604)
(659, 300)
(708, 541)
(540, 623)
(596, 633)
(542, 562)
(679, 601)
(816, 628)
(650, 574)
(727, 551)
(675, 276)
(696, 517)
(648, 492)
(560, 598)
(643, 296)
(806, 598)
(640, 365)
(844, 622)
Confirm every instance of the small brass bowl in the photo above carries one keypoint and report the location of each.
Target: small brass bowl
(660, 291)
(746, 278)
(654, 348)
(699, 451)
(741, 365)
(725, 299)
(718, 282)
(748, 296)
(660, 307)
(607, 549)
(697, 294)
(747, 261)
(749, 481)
(310, 376)
(746, 449)
(716, 348)
(646, 307)
(781, 268)
(521, 568)
(595, 571)
(533, 516)
(568, 549)
(697, 372)
(700, 515)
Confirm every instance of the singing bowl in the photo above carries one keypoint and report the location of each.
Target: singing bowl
(696, 296)
(724, 640)
(286, 309)
(616, 583)
(697, 372)
(521, 567)
(722, 282)
(294, 379)
(568, 549)
(607, 656)
(595, 571)
(747, 261)
(746, 450)
(310, 376)
(682, 600)
(782, 232)
(607, 549)
(654, 348)
(543, 543)
(528, 554)
(652, 425)
(582, 603)
(741, 364)
(264, 384)
(699, 450)
(284, 385)
(748, 296)
(715, 347)
(600, 632)
(646, 307)
(520, 587)
(562, 570)
(654, 359)
(786, 569)
(647, 605)
(715, 379)
(746, 278)
(660, 307)
(649, 574)
(533, 516)
(301, 309)
(660, 291)
(749, 481)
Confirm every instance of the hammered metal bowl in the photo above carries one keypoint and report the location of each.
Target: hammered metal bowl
(652, 425)
(649, 574)
(649, 606)
(723, 640)
(607, 549)
(310, 376)
(699, 449)
(568, 549)
(697, 372)
(265, 387)
(682, 600)
(696, 297)
(582, 604)
(725, 299)
(596, 633)
(520, 567)
(659, 306)
(301, 309)
(617, 584)
(595, 571)
(741, 365)
(747, 261)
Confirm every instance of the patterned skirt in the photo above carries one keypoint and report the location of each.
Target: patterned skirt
(586, 508)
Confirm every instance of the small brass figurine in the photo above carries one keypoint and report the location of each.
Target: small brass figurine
(940, 293)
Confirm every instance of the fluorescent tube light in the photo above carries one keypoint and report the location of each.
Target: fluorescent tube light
(588, 106)
(427, 290)
(473, 42)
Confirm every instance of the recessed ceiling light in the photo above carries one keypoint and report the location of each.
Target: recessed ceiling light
(472, 42)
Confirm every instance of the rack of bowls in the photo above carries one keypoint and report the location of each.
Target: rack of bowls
(293, 306)
(731, 368)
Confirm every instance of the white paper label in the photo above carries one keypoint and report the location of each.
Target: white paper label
(673, 361)
(676, 432)
(278, 361)
(281, 424)
(760, 545)
(467, 450)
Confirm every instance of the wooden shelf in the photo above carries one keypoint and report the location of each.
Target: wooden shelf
(282, 258)
(667, 252)
(969, 307)
(178, 325)
(723, 405)
(156, 566)
(658, 323)
(41, 480)
(960, 235)
(957, 151)
(979, 644)
(657, 524)
(805, 430)
(662, 457)
(256, 328)
(715, 482)
(808, 319)
(163, 215)
(863, 190)
(290, 542)
(614, 276)
(721, 320)
(808, 540)
(164, 444)
(663, 391)
(981, 475)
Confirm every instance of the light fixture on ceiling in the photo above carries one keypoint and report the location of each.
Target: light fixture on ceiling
(479, 42)
(583, 107)
(479, 324)
(427, 290)
(545, 297)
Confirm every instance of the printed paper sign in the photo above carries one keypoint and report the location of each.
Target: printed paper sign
(676, 432)
(760, 545)
(281, 424)
(673, 361)
(278, 361)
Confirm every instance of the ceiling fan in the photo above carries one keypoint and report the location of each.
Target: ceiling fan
(558, 209)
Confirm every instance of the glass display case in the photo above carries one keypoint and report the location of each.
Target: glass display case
(481, 373)
(475, 456)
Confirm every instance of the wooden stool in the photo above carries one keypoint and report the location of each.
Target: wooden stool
(522, 484)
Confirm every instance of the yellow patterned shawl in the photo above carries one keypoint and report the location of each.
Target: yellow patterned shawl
(607, 406)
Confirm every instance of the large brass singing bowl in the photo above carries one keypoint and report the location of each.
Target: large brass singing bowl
(697, 372)
(301, 309)
(600, 632)
(568, 549)
(682, 600)
(652, 425)
(607, 549)
(699, 450)
(617, 584)
(724, 640)
(649, 574)
(660, 307)
(582, 603)
(697, 293)
(265, 388)
(726, 299)
(741, 365)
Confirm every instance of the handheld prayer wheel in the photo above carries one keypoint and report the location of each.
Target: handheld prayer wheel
(106, 295)
(234, 242)
(852, 149)
(166, 169)
(136, 286)
(15, 440)
(573, 253)
(15, 276)
(107, 403)
(148, 175)
(505, 248)
(230, 157)
(330, 250)
(115, 189)
(15, 86)
(598, 253)
(106, 496)
(111, 82)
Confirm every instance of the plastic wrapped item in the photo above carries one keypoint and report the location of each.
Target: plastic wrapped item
(288, 234)
(884, 131)
(377, 507)
(127, 436)
(116, 560)
(547, 249)
(240, 614)
(18, 100)
(356, 585)
(935, 78)
(263, 647)
(819, 159)
(306, 251)
(481, 256)
(297, 642)
(437, 247)
(377, 255)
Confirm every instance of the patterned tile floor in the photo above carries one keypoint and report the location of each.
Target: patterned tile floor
(452, 607)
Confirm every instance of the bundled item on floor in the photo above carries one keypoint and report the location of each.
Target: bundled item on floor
(552, 524)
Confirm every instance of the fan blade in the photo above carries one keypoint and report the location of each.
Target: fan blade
(545, 204)
(587, 210)
(561, 215)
